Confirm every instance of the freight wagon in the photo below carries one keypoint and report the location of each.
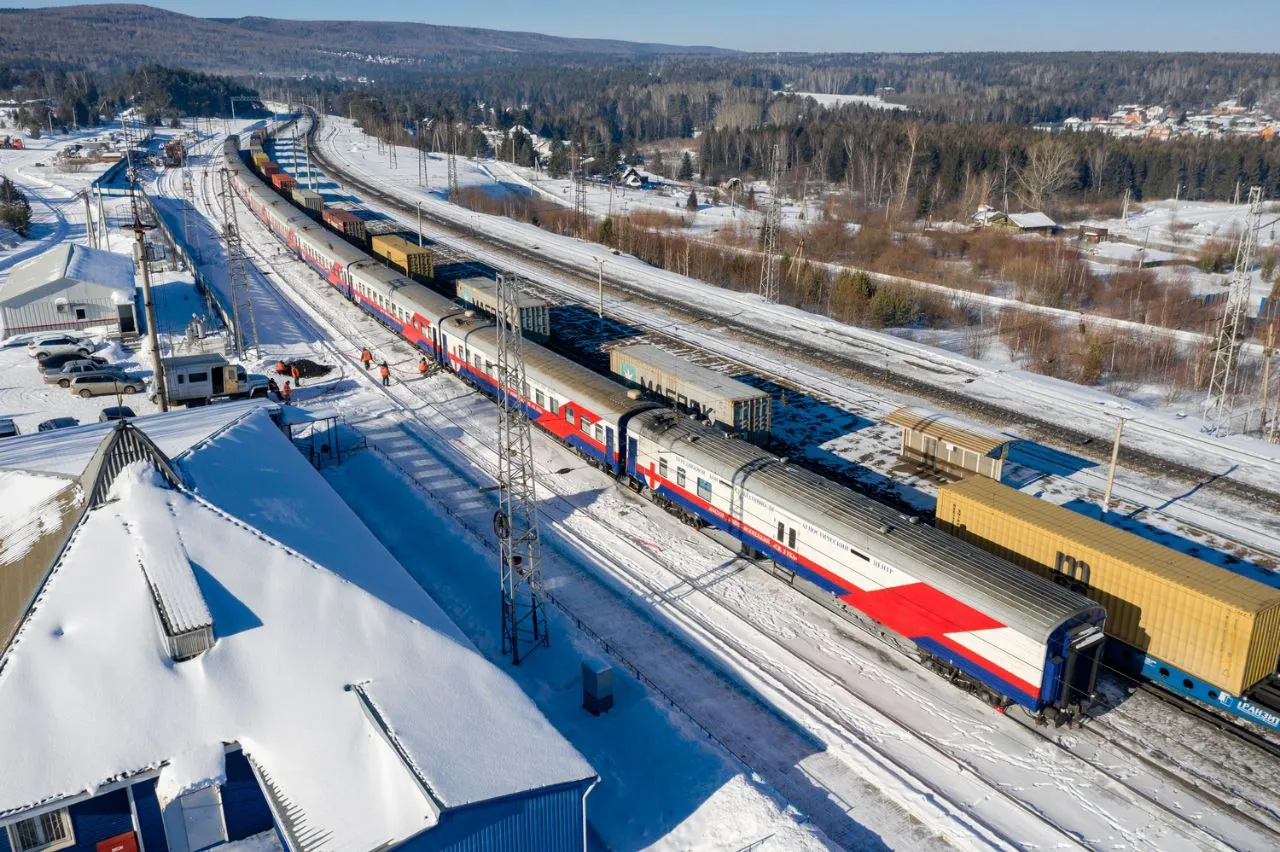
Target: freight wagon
(346, 223)
(284, 182)
(718, 399)
(260, 158)
(308, 200)
(269, 168)
(409, 258)
(482, 294)
(1197, 629)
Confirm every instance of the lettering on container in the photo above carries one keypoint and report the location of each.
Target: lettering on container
(1076, 569)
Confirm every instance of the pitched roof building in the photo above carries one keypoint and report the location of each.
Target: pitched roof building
(70, 287)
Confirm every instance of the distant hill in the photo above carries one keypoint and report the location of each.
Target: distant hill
(121, 36)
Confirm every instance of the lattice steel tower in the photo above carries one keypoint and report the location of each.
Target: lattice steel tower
(1226, 358)
(453, 164)
(770, 227)
(579, 192)
(189, 225)
(237, 271)
(524, 625)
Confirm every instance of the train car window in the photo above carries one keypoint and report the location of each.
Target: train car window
(791, 538)
(586, 427)
(526, 390)
(555, 405)
(568, 414)
(540, 399)
(782, 531)
(599, 433)
(680, 476)
(662, 468)
(704, 489)
(198, 377)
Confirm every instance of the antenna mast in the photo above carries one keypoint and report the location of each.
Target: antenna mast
(1223, 379)
(524, 625)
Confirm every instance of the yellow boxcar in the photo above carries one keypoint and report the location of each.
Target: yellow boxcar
(260, 158)
(409, 258)
(1212, 623)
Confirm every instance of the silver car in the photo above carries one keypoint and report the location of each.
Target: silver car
(74, 370)
(102, 384)
(57, 344)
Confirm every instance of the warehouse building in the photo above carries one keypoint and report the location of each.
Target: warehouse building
(192, 666)
(713, 397)
(70, 287)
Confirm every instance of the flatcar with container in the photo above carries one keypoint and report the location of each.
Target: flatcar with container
(1197, 629)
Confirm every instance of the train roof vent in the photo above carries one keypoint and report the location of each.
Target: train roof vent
(633, 394)
(885, 529)
(469, 313)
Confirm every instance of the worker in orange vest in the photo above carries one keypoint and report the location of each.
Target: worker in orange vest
(366, 358)
(281, 368)
(297, 376)
(286, 393)
(422, 366)
(385, 372)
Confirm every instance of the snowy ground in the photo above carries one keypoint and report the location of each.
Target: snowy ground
(873, 749)
(1183, 226)
(875, 101)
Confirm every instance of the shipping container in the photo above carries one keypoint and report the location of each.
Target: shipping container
(308, 199)
(1209, 622)
(409, 258)
(260, 158)
(283, 182)
(728, 403)
(482, 294)
(345, 222)
(269, 168)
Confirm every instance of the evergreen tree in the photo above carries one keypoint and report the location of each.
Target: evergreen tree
(692, 204)
(686, 167)
(15, 211)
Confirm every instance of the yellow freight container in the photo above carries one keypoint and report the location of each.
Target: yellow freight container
(260, 158)
(409, 258)
(1214, 624)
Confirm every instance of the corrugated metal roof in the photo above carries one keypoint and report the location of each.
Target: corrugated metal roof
(1032, 220)
(1146, 555)
(695, 375)
(1018, 598)
(936, 425)
(69, 261)
(479, 286)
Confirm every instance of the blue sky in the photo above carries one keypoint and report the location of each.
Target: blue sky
(822, 25)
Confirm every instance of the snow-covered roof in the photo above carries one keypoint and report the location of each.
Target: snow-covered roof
(299, 646)
(69, 261)
(1032, 220)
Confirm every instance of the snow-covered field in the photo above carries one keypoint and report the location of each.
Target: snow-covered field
(875, 101)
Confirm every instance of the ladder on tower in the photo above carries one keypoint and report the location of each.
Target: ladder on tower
(524, 622)
(237, 273)
(1220, 402)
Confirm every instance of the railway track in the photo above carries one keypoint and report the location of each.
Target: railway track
(1039, 429)
(834, 714)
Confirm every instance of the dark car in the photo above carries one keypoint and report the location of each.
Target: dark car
(115, 412)
(8, 428)
(57, 362)
(57, 423)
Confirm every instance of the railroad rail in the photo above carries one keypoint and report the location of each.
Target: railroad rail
(1041, 429)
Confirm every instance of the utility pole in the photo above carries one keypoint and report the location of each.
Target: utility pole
(1266, 377)
(237, 272)
(149, 307)
(90, 228)
(1111, 472)
(772, 224)
(102, 216)
(1223, 379)
(600, 288)
(524, 625)
(419, 224)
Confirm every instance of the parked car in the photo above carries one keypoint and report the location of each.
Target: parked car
(57, 344)
(57, 423)
(8, 429)
(103, 383)
(57, 362)
(74, 370)
(115, 412)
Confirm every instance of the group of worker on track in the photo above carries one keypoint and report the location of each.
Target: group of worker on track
(285, 393)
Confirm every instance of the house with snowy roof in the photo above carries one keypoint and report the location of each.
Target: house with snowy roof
(70, 287)
(204, 646)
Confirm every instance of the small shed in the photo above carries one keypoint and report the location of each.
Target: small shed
(935, 440)
(1093, 234)
(70, 287)
(1031, 223)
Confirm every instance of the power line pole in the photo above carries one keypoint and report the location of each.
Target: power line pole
(148, 305)
(237, 272)
(1266, 378)
(90, 228)
(524, 625)
(1223, 379)
(579, 192)
(771, 225)
(453, 164)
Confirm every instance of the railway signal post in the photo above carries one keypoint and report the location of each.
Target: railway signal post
(524, 625)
